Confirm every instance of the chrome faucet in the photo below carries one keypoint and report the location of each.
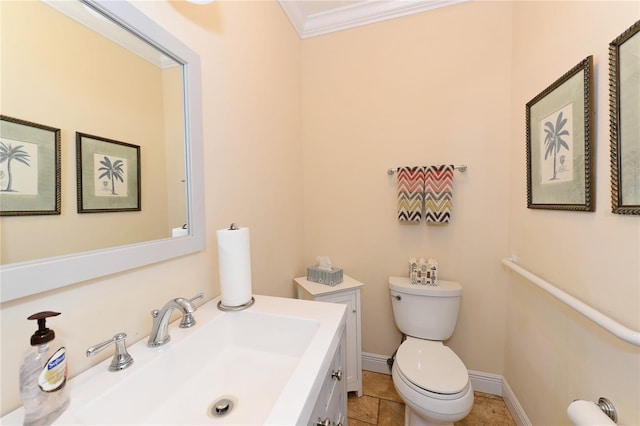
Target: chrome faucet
(160, 329)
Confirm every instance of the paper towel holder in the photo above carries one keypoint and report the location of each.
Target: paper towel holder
(236, 308)
(607, 407)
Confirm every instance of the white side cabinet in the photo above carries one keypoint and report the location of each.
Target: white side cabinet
(348, 293)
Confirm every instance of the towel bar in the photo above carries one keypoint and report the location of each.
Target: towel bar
(462, 168)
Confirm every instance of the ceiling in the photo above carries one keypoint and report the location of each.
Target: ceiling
(316, 17)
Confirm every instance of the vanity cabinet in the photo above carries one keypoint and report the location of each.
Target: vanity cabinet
(331, 405)
(347, 293)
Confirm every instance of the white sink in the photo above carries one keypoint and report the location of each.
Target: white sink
(267, 359)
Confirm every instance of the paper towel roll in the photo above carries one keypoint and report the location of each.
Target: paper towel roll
(587, 413)
(234, 265)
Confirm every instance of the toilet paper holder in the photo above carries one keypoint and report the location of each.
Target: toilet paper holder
(603, 404)
(607, 407)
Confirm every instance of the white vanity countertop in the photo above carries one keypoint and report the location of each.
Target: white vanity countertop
(317, 289)
(271, 356)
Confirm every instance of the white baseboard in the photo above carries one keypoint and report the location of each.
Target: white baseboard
(513, 405)
(375, 363)
(486, 382)
(493, 384)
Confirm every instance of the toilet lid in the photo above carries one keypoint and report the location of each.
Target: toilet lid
(432, 366)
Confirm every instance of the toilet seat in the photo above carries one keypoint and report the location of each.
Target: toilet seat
(432, 367)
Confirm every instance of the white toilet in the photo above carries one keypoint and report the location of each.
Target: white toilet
(429, 377)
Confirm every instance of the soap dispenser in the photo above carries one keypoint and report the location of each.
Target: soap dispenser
(43, 375)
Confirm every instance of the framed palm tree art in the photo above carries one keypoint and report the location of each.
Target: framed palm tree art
(624, 125)
(559, 143)
(108, 175)
(29, 168)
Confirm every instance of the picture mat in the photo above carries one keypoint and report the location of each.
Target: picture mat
(90, 201)
(566, 192)
(45, 199)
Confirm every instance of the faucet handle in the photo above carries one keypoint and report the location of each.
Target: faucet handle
(121, 358)
(187, 319)
(196, 297)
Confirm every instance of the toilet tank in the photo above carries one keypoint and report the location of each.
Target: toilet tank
(425, 312)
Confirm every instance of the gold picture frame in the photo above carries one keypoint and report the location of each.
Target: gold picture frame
(624, 107)
(559, 143)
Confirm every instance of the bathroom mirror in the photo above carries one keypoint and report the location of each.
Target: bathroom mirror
(23, 278)
(624, 85)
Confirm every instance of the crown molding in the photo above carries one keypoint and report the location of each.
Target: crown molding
(356, 14)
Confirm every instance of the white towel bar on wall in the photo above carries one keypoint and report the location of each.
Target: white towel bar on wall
(461, 167)
(598, 317)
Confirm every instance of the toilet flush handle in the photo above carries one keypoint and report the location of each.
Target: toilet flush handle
(397, 297)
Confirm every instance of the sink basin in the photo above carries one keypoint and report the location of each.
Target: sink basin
(267, 360)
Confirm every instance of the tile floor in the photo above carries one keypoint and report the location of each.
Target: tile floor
(381, 405)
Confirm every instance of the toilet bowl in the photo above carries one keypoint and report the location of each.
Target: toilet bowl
(433, 383)
(429, 377)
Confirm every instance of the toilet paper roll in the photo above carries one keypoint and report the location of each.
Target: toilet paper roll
(179, 232)
(234, 266)
(587, 413)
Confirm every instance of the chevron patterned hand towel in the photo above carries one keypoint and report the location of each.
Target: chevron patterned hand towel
(410, 193)
(438, 193)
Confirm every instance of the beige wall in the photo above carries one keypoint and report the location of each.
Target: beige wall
(77, 89)
(251, 107)
(432, 88)
(298, 138)
(552, 354)
(175, 163)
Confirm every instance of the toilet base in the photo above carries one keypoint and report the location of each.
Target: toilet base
(412, 419)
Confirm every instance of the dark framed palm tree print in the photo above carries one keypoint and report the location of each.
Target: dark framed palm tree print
(29, 168)
(624, 125)
(560, 141)
(108, 175)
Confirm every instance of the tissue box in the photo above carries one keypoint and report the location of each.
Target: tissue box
(323, 276)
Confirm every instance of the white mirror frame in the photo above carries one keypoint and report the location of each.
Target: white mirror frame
(26, 278)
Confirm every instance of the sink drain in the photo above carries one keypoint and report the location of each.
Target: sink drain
(221, 406)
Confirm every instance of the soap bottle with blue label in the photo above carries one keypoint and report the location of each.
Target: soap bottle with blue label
(43, 375)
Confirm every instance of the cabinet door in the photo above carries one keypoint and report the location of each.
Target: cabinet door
(331, 405)
(320, 413)
(337, 407)
(349, 299)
